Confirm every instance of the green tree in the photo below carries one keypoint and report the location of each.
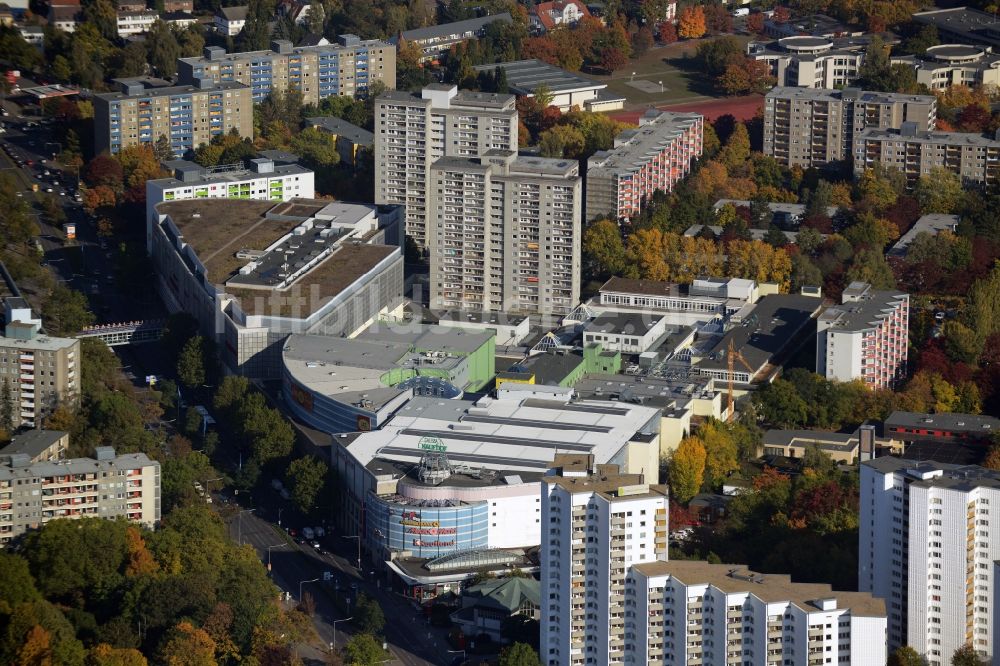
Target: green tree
(737, 149)
(869, 266)
(905, 656)
(364, 650)
(6, 408)
(317, 148)
(230, 394)
(603, 250)
(518, 654)
(940, 191)
(780, 404)
(178, 475)
(368, 616)
(561, 141)
(687, 469)
(191, 363)
(65, 312)
(306, 477)
(16, 583)
(962, 343)
(164, 50)
(967, 656)
(269, 433)
(163, 149)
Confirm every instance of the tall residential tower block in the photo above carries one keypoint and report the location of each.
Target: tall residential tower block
(505, 233)
(412, 131)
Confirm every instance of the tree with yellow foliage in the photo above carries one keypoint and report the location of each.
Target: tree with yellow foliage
(687, 469)
(756, 260)
(691, 22)
(103, 654)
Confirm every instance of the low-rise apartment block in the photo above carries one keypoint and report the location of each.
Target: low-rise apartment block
(107, 486)
(946, 65)
(505, 233)
(811, 127)
(690, 612)
(41, 371)
(812, 62)
(348, 68)
(229, 21)
(928, 540)
(136, 22)
(435, 40)
(412, 131)
(973, 157)
(352, 141)
(865, 337)
(596, 523)
(653, 157)
(39, 445)
(187, 115)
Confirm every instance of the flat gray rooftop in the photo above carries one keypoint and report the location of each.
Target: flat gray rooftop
(524, 77)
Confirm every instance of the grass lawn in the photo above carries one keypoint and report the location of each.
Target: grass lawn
(670, 65)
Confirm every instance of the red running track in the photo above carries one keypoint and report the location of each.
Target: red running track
(742, 108)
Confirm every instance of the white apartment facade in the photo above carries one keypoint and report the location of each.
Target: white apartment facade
(692, 612)
(108, 486)
(866, 337)
(596, 523)
(519, 253)
(135, 23)
(414, 131)
(927, 546)
(40, 371)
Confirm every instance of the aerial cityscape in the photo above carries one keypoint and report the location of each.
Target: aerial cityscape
(467, 333)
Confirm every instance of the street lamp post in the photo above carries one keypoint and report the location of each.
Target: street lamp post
(279, 545)
(301, 583)
(280, 509)
(358, 537)
(661, 86)
(346, 619)
(240, 521)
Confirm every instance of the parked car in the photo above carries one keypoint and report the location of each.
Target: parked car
(308, 534)
(320, 532)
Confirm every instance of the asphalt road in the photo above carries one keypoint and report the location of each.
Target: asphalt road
(88, 263)
(410, 639)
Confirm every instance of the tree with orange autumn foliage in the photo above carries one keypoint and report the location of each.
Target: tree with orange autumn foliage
(106, 655)
(140, 560)
(36, 649)
(691, 22)
(188, 646)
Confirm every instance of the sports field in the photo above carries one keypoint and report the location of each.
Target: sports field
(665, 75)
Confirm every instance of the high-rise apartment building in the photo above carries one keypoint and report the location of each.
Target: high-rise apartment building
(187, 115)
(690, 612)
(504, 233)
(655, 156)
(412, 131)
(928, 540)
(975, 158)
(41, 371)
(865, 337)
(596, 523)
(810, 127)
(348, 68)
(107, 486)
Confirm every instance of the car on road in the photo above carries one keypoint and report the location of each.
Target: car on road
(62, 194)
(48, 189)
